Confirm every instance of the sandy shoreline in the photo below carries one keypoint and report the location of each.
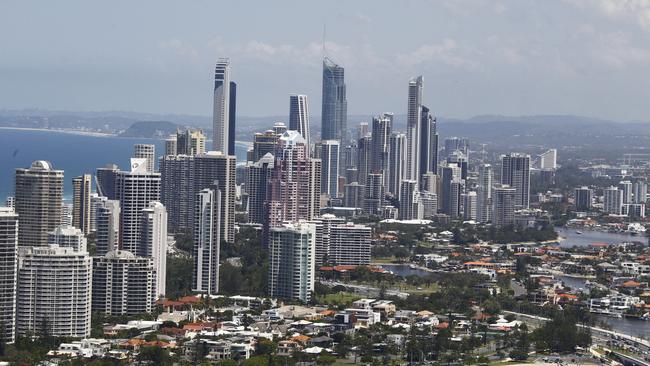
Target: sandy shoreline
(71, 132)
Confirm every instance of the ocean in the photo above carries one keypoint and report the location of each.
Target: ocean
(75, 154)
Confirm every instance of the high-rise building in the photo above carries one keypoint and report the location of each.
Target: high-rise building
(640, 190)
(221, 108)
(374, 197)
(381, 129)
(217, 168)
(548, 159)
(515, 172)
(105, 181)
(146, 151)
(324, 225)
(459, 159)
(207, 240)
(429, 203)
(626, 187)
(449, 199)
(8, 268)
(330, 157)
(456, 189)
(68, 237)
(258, 177)
(295, 183)
(108, 227)
(484, 194)
(81, 208)
(364, 159)
(613, 198)
(123, 284)
(354, 195)
(232, 117)
(456, 143)
(66, 214)
(279, 128)
(428, 155)
(135, 189)
(299, 116)
(53, 292)
(413, 118)
(349, 244)
(335, 104)
(409, 201)
(584, 197)
(10, 202)
(153, 242)
(398, 149)
(171, 145)
(189, 142)
(503, 205)
(470, 200)
(177, 191)
(39, 195)
(264, 143)
(292, 259)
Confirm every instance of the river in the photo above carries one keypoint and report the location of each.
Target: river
(570, 238)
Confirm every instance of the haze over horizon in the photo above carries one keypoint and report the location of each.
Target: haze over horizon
(482, 57)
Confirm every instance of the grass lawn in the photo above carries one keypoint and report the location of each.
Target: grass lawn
(419, 290)
(383, 260)
(339, 298)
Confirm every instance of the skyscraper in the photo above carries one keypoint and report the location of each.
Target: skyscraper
(68, 237)
(613, 198)
(217, 168)
(583, 198)
(135, 189)
(503, 205)
(548, 159)
(409, 204)
(8, 268)
(349, 244)
(470, 206)
(374, 197)
(257, 186)
(189, 142)
(146, 151)
(450, 197)
(626, 187)
(295, 183)
(299, 116)
(153, 242)
(428, 159)
(330, 157)
(364, 159)
(221, 108)
(39, 195)
(54, 291)
(207, 240)
(232, 116)
(177, 191)
(335, 104)
(515, 172)
(81, 208)
(292, 259)
(413, 118)
(354, 195)
(108, 227)
(484, 194)
(381, 129)
(640, 190)
(396, 162)
(264, 143)
(105, 179)
(123, 284)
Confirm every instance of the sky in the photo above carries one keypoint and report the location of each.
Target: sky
(518, 57)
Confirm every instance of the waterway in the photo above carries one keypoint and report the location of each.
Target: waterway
(569, 237)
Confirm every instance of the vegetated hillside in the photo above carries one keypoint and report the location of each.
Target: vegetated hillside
(150, 129)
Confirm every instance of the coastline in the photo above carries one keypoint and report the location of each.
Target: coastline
(71, 132)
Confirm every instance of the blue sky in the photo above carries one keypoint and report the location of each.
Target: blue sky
(586, 57)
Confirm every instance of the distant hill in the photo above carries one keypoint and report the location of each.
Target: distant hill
(150, 129)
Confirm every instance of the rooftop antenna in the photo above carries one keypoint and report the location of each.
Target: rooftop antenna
(324, 36)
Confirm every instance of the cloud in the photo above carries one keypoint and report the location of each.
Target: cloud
(636, 11)
(180, 48)
(446, 52)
